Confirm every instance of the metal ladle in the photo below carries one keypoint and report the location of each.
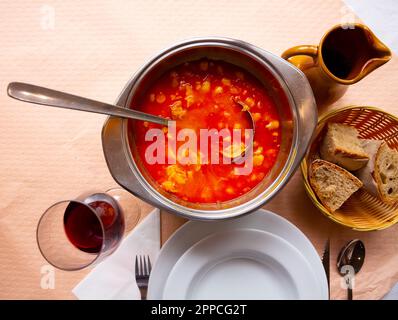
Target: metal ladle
(236, 152)
(53, 98)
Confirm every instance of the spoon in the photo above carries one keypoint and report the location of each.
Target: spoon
(353, 255)
(48, 97)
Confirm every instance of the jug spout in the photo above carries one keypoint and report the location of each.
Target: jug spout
(380, 54)
(382, 51)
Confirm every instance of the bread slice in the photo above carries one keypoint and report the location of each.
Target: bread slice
(366, 174)
(386, 173)
(380, 175)
(342, 146)
(332, 184)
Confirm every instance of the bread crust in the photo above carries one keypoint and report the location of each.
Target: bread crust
(338, 154)
(377, 175)
(367, 174)
(316, 164)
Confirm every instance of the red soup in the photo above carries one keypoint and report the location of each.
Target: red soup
(202, 95)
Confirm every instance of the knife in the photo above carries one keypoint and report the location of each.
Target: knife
(326, 262)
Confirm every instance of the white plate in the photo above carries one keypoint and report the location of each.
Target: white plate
(242, 264)
(194, 231)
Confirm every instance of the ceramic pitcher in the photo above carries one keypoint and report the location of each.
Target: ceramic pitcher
(344, 56)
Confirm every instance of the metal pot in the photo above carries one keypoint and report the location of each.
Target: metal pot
(287, 85)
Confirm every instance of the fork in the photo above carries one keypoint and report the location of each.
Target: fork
(142, 271)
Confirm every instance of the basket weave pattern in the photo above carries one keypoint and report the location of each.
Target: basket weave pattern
(362, 211)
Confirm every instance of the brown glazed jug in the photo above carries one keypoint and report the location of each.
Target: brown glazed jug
(345, 55)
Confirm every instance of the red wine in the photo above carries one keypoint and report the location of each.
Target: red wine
(83, 226)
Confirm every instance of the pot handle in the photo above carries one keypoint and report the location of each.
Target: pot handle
(303, 96)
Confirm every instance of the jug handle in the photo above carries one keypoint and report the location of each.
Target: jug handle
(303, 50)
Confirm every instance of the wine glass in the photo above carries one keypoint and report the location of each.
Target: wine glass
(74, 234)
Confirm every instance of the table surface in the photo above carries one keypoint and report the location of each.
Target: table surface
(92, 48)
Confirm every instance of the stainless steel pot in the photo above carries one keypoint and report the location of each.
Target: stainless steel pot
(292, 95)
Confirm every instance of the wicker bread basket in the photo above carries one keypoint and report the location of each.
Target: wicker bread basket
(362, 211)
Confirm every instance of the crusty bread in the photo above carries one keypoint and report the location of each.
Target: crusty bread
(380, 175)
(332, 184)
(366, 174)
(342, 146)
(386, 173)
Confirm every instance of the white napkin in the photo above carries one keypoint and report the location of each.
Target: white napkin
(381, 16)
(114, 278)
(393, 294)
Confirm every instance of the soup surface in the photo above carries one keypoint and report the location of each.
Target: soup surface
(199, 95)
